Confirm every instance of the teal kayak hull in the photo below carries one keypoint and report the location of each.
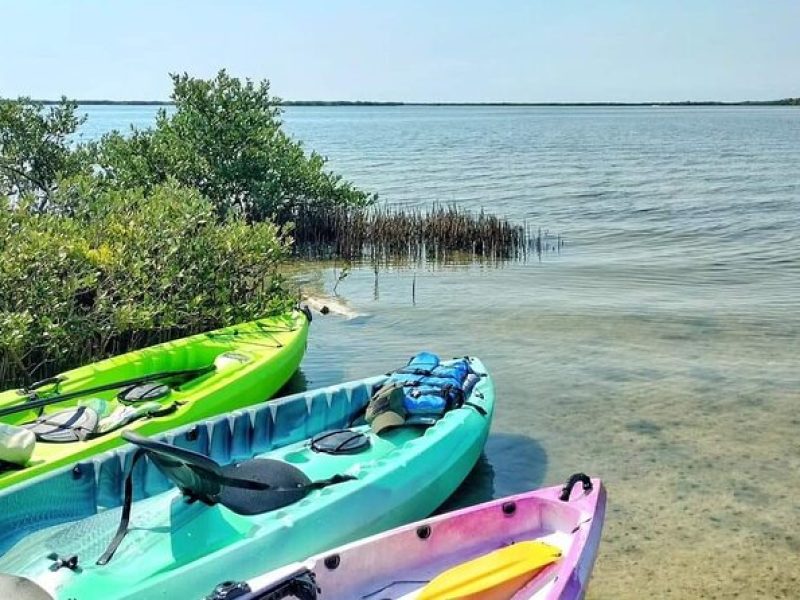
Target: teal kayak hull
(176, 549)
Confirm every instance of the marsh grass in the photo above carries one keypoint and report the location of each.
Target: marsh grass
(391, 235)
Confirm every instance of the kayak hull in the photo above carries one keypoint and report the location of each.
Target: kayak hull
(175, 549)
(270, 350)
(397, 564)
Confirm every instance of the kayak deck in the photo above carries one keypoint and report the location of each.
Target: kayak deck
(166, 530)
(408, 584)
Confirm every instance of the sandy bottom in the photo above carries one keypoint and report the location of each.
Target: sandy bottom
(697, 443)
(692, 421)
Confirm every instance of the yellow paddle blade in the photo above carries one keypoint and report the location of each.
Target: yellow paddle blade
(494, 576)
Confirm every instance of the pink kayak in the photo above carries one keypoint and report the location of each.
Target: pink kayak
(536, 545)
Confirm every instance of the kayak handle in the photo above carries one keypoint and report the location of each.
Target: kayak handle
(56, 381)
(566, 491)
(303, 308)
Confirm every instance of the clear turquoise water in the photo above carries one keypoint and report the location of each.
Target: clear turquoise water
(658, 350)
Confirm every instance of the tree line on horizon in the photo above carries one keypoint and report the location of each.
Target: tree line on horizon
(780, 102)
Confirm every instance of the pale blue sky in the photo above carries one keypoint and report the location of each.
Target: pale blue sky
(411, 50)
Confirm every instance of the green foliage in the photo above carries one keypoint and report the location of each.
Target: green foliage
(34, 147)
(158, 233)
(129, 270)
(225, 139)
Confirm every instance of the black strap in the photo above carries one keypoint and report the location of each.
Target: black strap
(54, 381)
(81, 433)
(358, 414)
(413, 371)
(122, 530)
(302, 586)
(263, 330)
(453, 394)
(251, 484)
(247, 484)
(322, 483)
(481, 411)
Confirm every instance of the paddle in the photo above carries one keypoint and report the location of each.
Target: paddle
(36, 402)
(494, 576)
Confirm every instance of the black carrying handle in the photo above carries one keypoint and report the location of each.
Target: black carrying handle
(303, 308)
(41, 383)
(566, 491)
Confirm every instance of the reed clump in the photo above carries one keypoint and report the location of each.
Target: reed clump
(390, 234)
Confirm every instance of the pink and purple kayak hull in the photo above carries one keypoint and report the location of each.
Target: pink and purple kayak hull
(396, 564)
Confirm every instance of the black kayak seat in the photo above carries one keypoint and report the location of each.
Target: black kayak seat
(249, 487)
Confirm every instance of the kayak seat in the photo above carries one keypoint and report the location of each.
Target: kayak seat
(249, 487)
(281, 484)
(65, 426)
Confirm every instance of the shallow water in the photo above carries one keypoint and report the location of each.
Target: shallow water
(658, 350)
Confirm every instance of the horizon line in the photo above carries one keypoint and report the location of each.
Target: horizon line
(789, 101)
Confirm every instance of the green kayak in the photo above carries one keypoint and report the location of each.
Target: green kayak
(235, 496)
(83, 412)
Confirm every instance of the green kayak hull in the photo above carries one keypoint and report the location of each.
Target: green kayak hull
(237, 366)
(176, 549)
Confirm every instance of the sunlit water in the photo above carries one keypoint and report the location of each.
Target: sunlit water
(658, 350)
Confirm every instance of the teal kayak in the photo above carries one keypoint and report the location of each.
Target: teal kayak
(349, 482)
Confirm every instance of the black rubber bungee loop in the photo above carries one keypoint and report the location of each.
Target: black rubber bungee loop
(478, 408)
(306, 311)
(35, 401)
(54, 381)
(566, 491)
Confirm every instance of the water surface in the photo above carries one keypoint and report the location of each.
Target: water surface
(658, 350)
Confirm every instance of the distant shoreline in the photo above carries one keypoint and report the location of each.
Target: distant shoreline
(783, 102)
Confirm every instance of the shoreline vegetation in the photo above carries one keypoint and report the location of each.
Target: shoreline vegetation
(185, 226)
(780, 102)
(384, 235)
